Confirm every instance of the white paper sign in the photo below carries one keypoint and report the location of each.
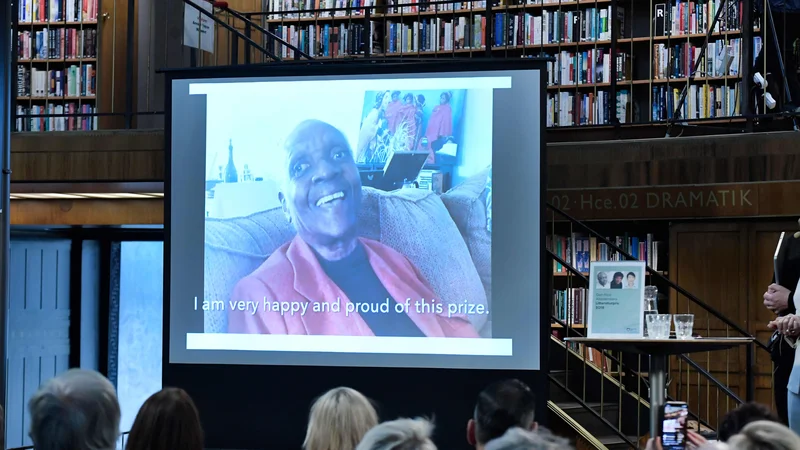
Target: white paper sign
(198, 28)
(616, 299)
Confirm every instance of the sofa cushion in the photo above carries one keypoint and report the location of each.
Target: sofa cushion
(467, 204)
(414, 222)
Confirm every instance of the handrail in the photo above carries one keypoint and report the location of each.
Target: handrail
(575, 425)
(655, 273)
(716, 382)
(297, 52)
(591, 410)
(233, 30)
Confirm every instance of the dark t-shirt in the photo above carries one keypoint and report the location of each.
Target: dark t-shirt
(356, 278)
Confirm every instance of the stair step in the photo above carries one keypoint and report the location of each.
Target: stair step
(614, 442)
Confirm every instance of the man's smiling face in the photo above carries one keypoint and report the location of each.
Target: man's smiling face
(322, 192)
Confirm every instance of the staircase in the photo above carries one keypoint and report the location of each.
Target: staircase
(601, 398)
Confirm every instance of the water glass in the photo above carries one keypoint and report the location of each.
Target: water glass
(658, 326)
(683, 325)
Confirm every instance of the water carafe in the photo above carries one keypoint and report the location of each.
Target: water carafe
(650, 304)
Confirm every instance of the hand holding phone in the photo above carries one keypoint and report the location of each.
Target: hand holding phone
(674, 426)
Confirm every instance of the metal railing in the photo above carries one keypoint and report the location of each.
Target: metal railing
(136, 38)
(604, 380)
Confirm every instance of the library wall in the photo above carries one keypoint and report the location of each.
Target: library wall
(731, 276)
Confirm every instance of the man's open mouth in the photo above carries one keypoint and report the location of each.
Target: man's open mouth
(330, 198)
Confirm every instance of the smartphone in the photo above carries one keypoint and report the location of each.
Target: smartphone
(673, 428)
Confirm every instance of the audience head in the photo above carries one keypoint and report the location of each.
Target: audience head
(75, 410)
(339, 419)
(167, 420)
(765, 435)
(400, 434)
(735, 420)
(502, 405)
(521, 439)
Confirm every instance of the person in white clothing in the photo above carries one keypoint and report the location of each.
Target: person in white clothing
(789, 327)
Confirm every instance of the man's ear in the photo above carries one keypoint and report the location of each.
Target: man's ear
(282, 199)
(534, 426)
(471, 432)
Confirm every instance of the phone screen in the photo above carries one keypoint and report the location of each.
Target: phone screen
(673, 436)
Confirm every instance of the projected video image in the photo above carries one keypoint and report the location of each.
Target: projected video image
(329, 217)
(423, 121)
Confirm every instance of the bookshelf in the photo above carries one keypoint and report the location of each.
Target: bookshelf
(646, 241)
(617, 62)
(57, 43)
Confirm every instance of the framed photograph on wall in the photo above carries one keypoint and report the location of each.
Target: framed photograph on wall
(616, 299)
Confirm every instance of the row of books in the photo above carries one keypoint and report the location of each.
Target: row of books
(693, 17)
(417, 6)
(586, 67)
(568, 109)
(702, 102)
(57, 43)
(74, 81)
(721, 59)
(321, 40)
(74, 123)
(549, 27)
(436, 34)
(579, 250)
(70, 11)
(282, 9)
(569, 305)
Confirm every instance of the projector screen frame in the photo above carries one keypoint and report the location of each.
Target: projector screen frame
(181, 374)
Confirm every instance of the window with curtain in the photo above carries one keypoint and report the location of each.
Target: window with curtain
(141, 280)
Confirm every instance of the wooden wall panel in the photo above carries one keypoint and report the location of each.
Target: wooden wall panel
(728, 266)
(38, 335)
(138, 155)
(112, 55)
(87, 212)
(88, 156)
(698, 160)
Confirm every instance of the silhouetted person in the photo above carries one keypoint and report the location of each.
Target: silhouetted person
(168, 420)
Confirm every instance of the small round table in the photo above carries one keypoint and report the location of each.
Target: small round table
(659, 350)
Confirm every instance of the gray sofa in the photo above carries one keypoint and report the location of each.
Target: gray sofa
(444, 236)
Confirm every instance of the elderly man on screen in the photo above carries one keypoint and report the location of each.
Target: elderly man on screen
(327, 267)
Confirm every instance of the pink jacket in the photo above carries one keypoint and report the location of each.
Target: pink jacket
(293, 274)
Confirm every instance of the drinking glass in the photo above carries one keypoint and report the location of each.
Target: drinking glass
(664, 325)
(654, 326)
(683, 325)
(658, 326)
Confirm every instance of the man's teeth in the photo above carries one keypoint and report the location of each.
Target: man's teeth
(330, 198)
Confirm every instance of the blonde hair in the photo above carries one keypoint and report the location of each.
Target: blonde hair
(765, 435)
(400, 434)
(338, 420)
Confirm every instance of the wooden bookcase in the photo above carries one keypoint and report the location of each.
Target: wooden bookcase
(616, 63)
(57, 61)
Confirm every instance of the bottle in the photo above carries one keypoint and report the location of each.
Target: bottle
(231, 176)
(650, 304)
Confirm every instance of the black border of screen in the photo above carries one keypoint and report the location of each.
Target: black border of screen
(365, 66)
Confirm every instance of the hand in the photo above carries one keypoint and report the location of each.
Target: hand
(695, 440)
(654, 444)
(787, 325)
(776, 299)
